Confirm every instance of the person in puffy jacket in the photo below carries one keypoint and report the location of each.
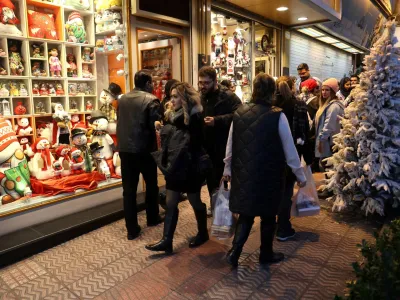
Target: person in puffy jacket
(327, 120)
(187, 123)
(260, 145)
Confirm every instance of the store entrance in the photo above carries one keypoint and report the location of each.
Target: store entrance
(161, 54)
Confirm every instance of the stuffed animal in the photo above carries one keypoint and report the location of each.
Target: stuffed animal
(107, 19)
(99, 123)
(117, 163)
(41, 164)
(61, 125)
(99, 22)
(76, 32)
(108, 44)
(8, 20)
(74, 120)
(99, 160)
(106, 99)
(76, 161)
(79, 140)
(23, 127)
(64, 159)
(25, 146)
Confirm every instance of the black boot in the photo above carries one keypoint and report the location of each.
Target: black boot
(267, 255)
(202, 235)
(165, 244)
(243, 228)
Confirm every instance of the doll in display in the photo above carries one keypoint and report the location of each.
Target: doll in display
(89, 90)
(89, 105)
(79, 140)
(41, 163)
(23, 92)
(36, 53)
(15, 57)
(81, 88)
(54, 63)
(52, 89)
(14, 92)
(106, 99)
(99, 159)
(2, 53)
(58, 169)
(36, 89)
(44, 89)
(86, 72)
(3, 71)
(74, 106)
(37, 69)
(63, 157)
(20, 109)
(61, 125)
(39, 109)
(72, 89)
(87, 55)
(117, 163)
(218, 43)
(59, 89)
(100, 46)
(23, 128)
(71, 66)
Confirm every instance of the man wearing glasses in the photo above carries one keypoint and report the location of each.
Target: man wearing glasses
(219, 104)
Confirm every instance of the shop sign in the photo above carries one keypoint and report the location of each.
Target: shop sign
(230, 63)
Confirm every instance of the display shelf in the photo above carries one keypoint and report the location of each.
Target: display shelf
(106, 32)
(82, 12)
(43, 4)
(110, 52)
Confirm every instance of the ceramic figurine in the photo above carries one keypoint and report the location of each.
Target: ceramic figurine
(23, 92)
(23, 127)
(36, 53)
(99, 160)
(74, 120)
(59, 89)
(87, 55)
(100, 46)
(52, 90)
(54, 63)
(43, 90)
(39, 109)
(89, 105)
(15, 58)
(4, 92)
(20, 109)
(86, 72)
(58, 169)
(36, 89)
(89, 90)
(81, 88)
(72, 70)
(14, 92)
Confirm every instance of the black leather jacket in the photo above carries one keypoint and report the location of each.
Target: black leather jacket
(137, 112)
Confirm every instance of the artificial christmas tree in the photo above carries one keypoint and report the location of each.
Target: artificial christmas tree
(366, 167)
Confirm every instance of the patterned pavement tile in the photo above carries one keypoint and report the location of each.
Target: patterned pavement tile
(360, 234)
(175, 296)
(21, 272)
(140, 286)
(38, 288)
(333, 227)
(300, 269)
(103, 257)
(123, 268)
(54, 257)
(317, 292)
(10, 295)
(343, 260)
(228, 289)
(92, 285)
(73, 271)
(309, 222)
(199, 283)
(83, 245)
(333, 280)
(313, 253)
(288, 247)
(63, 294)
(325, 238)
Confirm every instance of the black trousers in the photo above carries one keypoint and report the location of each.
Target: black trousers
(132, 165)
(286, 205)
(214, 177)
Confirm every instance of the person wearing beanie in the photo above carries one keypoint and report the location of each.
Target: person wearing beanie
(327, 120)
(310, 95)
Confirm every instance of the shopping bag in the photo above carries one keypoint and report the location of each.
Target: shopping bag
(306, 201)
(223, 220)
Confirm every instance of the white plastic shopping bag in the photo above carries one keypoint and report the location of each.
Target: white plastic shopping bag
(306, 201)
(223, 219)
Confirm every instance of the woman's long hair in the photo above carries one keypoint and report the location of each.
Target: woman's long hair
(263, 89)
(191, 102)
(323, 103)
(344, 92)
(284, 86)
(167, 89)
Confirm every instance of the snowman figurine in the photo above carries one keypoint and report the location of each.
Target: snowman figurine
(99, 160)
(79, 140)
(76, 161)
(106, 99)
(41, 164)
(64, 159)
(23, 127)
(99, 123)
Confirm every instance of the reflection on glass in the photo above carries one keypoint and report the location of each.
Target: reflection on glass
(266, 50)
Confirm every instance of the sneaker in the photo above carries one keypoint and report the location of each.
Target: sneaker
(285, 235)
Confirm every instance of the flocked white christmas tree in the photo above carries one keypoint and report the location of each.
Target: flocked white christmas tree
(366, 167)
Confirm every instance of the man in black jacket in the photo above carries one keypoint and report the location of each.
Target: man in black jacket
(219, 104)
(137, 113)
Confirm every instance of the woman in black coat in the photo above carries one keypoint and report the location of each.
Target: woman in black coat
(260, 145)
(186, 124)
(296, 113)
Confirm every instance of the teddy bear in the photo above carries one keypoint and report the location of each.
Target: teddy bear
(23, 127)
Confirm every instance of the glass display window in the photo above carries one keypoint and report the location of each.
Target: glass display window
(266, 50)
(231, 40)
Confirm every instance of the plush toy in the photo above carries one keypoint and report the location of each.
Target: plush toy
(61, 125)
(117, 163)
(23, 127)
(108, 44)
(25, 146)
(75, 28)
(14, 171)
(116, 19)
(74, 120)
(79, 140)
(64, 159)
(41, 25)
(107, 19)
(15, 57)
(8, 20)
(99, 22)
(77, 4)
(44, 130)
(99, 159)
(54, 63)
(115, 3)
(76, 161)
(41, 164)
(218, 43)
(106, 99)
(99, 123)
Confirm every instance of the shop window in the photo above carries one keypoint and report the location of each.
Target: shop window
(231, 53)
(266, 50)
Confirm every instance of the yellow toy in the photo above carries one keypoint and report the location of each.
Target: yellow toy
(13, 90)
(114, 3)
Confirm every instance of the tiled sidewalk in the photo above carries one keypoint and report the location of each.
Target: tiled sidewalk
(104, 265)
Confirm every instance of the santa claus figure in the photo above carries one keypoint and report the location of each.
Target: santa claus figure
(61, 125)
(63, 155)
(99, 161)
(41, 164)
(23, 127)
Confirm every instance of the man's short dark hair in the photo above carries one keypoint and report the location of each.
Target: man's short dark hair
(302, 66)
(208, 71)
(141, 78)
(358, 78)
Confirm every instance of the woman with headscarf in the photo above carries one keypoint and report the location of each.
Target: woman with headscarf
(344, 89)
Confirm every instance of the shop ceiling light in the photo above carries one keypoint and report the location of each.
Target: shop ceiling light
(282, 8)
(341, 45)
(302, 19)
(311, 32)
(328, 40)
(352, 50)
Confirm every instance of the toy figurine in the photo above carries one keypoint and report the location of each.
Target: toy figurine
(52, 90)
(99, 160)
(76, 161)
(74, 120)
(87, 55)
(20, 109)
(86, 72)
(59, 89)
(37, 69)
(89, 90)
(79, 140)
(4, 92)
(36, 53)
(14, 92)
(39, 109)
(23, 92)
(72, 89)
(23, 127)
(71, 66)
(35, 89)
(117, 163)
(58, 169)
(44, 90)
(106, 99)
(81, 88)
(54, 62)
(89, 105)
(100, 46)
(74, 106)
(26, 147)
(15, 57)
(100, 124)
(41, 163)
(63, 154)
(3, 71)
(61, 125)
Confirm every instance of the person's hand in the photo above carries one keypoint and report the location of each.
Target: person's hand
(157, 125)
(209, 121)
(301, 184)
(226, 178)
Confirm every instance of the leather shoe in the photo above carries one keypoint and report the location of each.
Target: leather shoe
(232, 257)
(162, 245)
(198, 240)
(158, 221)
(134, 235)
(272, 258)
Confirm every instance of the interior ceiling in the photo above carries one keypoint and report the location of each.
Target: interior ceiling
(150, 36)
(297, 9)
